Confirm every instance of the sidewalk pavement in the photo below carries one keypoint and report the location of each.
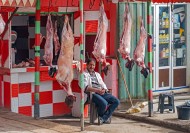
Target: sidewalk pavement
(167, 119)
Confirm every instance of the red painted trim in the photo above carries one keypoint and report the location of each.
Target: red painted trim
(37, 39)
(76, 14)
(150, 44)
(149, 19)
(37, 63)
(37, 15)
(150, 66)
(150, 95)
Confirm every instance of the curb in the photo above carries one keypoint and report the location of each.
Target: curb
(148, 120)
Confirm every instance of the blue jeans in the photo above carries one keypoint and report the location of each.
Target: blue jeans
(106, 104)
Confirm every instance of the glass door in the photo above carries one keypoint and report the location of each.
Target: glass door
(164, 47)
(169, 46)
(179, 45)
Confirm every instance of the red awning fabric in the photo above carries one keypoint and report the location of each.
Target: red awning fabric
(18, 3)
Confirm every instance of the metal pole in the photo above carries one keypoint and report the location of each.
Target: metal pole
(37, 61)
(150, 95)
(81, 63)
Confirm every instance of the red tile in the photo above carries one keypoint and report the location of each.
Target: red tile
(25, 88)
(60, 109)
(75, 87)
(15, 90)
(46, 97)
(25, 110)
(56, 85)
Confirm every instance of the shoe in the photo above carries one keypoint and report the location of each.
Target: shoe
(101, 120)
(69, 100)
(108, 121)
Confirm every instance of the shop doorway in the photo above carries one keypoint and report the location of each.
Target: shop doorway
(169, 47)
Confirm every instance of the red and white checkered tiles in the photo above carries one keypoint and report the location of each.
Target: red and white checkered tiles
(19, 94)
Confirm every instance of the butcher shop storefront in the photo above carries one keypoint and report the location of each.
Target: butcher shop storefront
(26, 79)
(19, 57)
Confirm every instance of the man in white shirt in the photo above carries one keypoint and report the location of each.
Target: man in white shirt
(105, 101)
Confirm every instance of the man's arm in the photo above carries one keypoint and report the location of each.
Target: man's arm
(91, 89)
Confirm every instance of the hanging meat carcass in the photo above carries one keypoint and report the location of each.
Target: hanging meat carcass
(2, 24)
(56, 39)
(139, 52)
(48, 56)
(100, 49)
(125, 40)
(65, 70)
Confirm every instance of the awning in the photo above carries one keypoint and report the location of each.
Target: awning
(18, 3)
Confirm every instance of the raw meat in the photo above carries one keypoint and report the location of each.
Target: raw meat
(48, 56)
(100, 41)
(100, 49)
(65, 69)
(139, 52)
(125, 40)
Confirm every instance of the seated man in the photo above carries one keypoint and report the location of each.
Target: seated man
(93, 83)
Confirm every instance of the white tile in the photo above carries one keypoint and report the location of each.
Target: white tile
(91, 15)
(76, 105)
(59, 96)
(14, 78)
(26, 77)
(46, 110)
(46, 86)
(17, 70)
(14, 105)
(25, 99)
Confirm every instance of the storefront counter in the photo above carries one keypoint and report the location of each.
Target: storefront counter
(17, 87)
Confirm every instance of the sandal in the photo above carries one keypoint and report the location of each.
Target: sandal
(69, 100)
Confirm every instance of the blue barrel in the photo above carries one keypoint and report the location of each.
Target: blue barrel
(183, 112)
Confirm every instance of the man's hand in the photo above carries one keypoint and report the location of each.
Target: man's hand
(101, 91)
